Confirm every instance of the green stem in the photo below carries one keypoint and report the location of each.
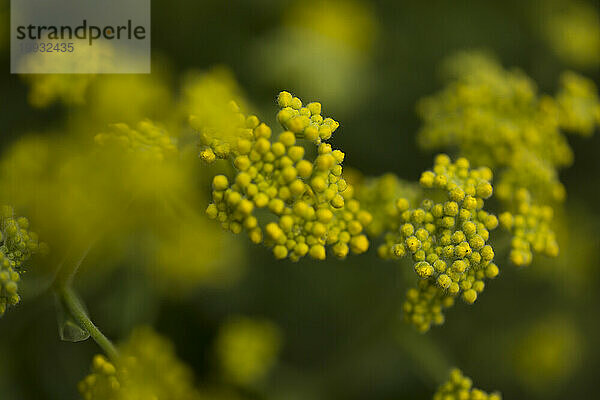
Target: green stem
(63, 288)
(76, 310)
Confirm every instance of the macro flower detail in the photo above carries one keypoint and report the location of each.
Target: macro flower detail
(460, 387)
(446, 239)
(17, 245)
(305, 122)
(295, 205)
(147, 368)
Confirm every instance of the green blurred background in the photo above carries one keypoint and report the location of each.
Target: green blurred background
(534, 334)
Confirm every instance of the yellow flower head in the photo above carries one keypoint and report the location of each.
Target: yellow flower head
(446, 238)
(310, 204)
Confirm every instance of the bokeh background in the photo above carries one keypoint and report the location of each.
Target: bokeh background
(323, 330)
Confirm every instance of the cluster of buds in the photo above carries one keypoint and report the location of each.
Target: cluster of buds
(17, 245)
(446, 239)
(295, 205)
(496, 117)
(530, 227)
(460, 387)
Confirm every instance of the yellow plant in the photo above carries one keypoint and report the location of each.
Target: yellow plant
(146, 367)
(495, 117)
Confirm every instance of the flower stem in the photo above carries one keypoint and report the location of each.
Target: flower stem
(63, 286)
(76, 310)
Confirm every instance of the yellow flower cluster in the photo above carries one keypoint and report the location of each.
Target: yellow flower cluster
(347, 22)
(305, 122)
(17, 245)
(446, 239)
(460, 387)
(312, 204)
(579, 104)
(424, 305)
(378, 196)
(147, 140)
(247, 349)
(147, 368)
(530, 228)
(495, 117)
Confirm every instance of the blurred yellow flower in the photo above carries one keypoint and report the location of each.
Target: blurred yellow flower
(147, 368)
(247, 349)
(578, 103)
(67, 78)
(348, 22)
(572, 30)
(193, 252)
(322, 48)
(112, 98)
(547, 353)
(78, 191)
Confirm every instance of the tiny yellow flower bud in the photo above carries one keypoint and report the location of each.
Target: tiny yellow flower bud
(220, 183)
